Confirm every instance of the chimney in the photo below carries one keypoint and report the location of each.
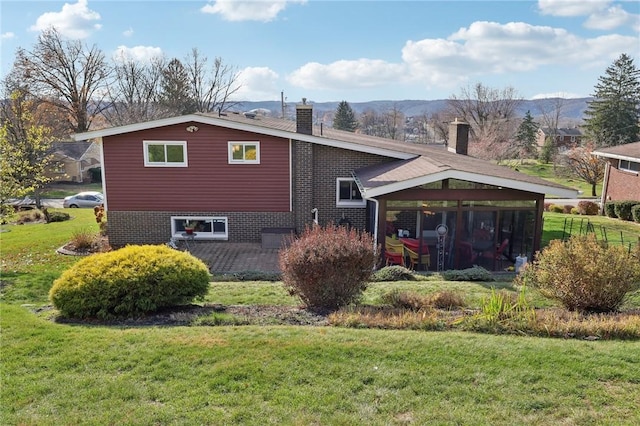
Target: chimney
(458, 137)
(304, 118)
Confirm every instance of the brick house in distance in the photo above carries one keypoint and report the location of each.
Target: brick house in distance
(622, 173)
(239, 175)
(564, 139)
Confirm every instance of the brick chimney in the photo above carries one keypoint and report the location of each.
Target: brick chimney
(458, 137)
(304, 118)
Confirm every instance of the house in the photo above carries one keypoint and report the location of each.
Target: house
(243, 175)
(622, 172)
(73, 160)
(564, 138)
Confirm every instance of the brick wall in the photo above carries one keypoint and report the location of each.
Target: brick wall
(622, 185)
(155, 227)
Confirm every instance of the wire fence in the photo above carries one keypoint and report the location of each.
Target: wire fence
(583, 226)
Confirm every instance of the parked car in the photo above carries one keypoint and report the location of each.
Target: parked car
(84, 199)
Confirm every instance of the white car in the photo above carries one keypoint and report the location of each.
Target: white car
(84, 199)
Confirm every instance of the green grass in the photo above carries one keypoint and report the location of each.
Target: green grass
(56, 373)
(61, 190)
(72, 374)
(559, 226)
(556, 175)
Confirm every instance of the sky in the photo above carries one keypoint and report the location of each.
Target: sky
(358, 51)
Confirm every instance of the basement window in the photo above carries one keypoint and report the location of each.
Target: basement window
(348, 194)
(206, 228)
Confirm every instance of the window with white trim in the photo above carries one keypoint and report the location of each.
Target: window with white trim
(244, 152)
(348, 194)
(629, 166)
(165, 153)
(205, 227)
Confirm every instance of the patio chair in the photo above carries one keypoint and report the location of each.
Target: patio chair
(393, 252)
(415, 259)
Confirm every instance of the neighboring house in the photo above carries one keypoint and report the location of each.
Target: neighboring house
(622, 173)
(564, 138)
(243, 175)
(73, 160)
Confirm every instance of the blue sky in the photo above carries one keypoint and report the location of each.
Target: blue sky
(355, 50)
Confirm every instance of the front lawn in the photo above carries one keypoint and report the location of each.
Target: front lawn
(91, 373)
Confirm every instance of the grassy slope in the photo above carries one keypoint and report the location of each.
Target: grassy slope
(548, 172)
(56, 373)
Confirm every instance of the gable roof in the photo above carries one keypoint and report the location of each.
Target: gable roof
(417, 164)
(71, 149)
(564, 131)
(629, 151)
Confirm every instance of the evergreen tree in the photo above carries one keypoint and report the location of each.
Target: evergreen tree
(526, 136)
(345, 118)
(613, 117)
(175, 92)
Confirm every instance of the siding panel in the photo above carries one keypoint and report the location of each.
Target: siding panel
(209, 183)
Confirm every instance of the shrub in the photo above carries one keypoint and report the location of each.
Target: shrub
(82, 239)
(555, 208)
(610, 209)
(547, 206)
(475, 273)
(58, 217)
(623, 209)
(567, 208)
(129, 282)
(635, 213)
(587, 208)
(328, 267)
(393, 273)
(583, 274)
(575, 211)
(406, 300)
(447, 299)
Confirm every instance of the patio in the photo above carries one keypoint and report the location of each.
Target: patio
(224, 257)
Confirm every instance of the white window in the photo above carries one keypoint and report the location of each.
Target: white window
(244, 152)
(348, 194)
(205, 228)
(165, 153)
(629, 166)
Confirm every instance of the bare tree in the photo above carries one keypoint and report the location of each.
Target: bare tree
(581, 164)
(491, 114)
(211, 88)
(389, 124)
(67, 75)
(551, 113)
(134, 92)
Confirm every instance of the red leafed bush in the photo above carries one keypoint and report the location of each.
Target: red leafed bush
(588, 208)
(328, 267)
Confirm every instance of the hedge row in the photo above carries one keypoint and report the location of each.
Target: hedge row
(625, 210)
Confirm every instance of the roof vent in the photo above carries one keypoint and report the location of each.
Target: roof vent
(250, 114)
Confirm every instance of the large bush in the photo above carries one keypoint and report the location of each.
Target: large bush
(328, 267)
(584, 274)
(610, 209)
(129, 282)
(635, 213)
(623, 209)
(588, 208)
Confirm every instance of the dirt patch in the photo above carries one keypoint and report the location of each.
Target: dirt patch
(99, 245)
(238, 315)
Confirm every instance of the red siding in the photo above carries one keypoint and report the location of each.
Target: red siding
(209, 183)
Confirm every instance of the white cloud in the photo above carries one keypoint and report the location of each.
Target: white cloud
(611, 18)
(572, 7)
(7, 36)
(75, 21)
(128, 32)
(257, 83)
(483, 49)
(563, 95)
(345, 74)
(136, 53)
(251, 10)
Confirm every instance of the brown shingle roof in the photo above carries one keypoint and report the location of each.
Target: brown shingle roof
(626, 151)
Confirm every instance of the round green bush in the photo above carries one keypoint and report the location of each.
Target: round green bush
(635, 213)
(129, 282)
(393, 273)
(610, 209)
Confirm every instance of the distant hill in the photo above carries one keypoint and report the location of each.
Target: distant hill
(572, 109)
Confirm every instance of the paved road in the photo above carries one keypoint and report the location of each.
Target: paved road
(52, 202)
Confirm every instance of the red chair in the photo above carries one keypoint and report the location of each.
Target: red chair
(496, 255)
(393, 252)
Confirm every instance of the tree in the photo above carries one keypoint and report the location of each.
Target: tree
(526, 136)
(551, 112)
(175, 90)
(67, 75)
(211, 89)
(24, 149)
(389, 124)
(345, 118)
(581, 164)
(134, 92)
(613, 116)
(491, 114)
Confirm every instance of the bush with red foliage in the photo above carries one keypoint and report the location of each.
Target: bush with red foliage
(328, 267)
(588, 208)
